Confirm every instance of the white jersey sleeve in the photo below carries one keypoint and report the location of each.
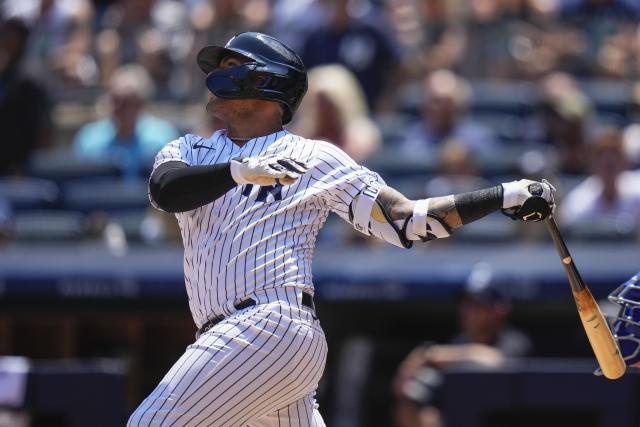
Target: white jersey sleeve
(178, 150)
(342, 179)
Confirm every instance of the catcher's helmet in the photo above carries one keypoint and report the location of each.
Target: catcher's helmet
(274, 71)
(626, 326)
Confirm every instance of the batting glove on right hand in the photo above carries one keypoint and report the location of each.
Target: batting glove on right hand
(267, 170)
(528, 200)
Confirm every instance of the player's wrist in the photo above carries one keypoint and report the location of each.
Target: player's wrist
(425, 225)
(235, 166)
(474, 205)
(512, 194)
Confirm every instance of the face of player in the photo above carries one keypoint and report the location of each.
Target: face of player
(227, 62)
(234, 110)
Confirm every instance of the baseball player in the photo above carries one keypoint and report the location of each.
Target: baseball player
(250, 201)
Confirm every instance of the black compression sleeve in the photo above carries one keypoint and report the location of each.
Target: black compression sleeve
(474, 205)
(177, 187)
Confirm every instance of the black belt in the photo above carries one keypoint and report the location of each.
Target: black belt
(307, 301)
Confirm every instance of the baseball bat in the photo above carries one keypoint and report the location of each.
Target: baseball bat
(602, 342)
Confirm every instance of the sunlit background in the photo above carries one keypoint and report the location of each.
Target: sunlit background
(438, 96)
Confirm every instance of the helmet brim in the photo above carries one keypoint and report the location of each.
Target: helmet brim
(209, 57)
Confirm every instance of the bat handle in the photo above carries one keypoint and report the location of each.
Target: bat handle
(575, 280)
(550, 222)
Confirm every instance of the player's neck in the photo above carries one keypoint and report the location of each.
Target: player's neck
(246, 130)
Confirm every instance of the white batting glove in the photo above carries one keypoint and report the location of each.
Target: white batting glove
(528, 200)
(267, 170)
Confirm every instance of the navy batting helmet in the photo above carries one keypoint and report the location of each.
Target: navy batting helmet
(626, 326)
(274, 72)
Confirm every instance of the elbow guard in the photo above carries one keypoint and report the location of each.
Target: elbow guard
(369, 217)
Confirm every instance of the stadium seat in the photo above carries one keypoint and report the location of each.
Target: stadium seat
(507, 127)
(62, 165)
(490, 229)
(28, 193)
(105, 194)
(514, 98)
(49, 225)
(130, 220)
(604, 230)
(391, 162)
(611, 98)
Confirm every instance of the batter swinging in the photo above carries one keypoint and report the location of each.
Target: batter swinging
(250, 201)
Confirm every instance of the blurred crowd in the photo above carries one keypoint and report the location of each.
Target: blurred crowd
(439, 96)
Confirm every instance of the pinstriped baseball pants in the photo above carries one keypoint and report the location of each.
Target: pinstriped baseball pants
(258, 368)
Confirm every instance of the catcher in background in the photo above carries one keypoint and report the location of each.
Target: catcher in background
(626, 324)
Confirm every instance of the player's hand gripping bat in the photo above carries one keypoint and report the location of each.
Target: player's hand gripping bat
(602, 342)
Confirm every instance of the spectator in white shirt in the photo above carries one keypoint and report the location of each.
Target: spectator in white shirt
(611, 195)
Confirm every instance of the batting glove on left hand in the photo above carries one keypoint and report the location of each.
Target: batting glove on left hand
(528, 200)
(267, 170)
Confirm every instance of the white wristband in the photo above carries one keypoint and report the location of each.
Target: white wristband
(236, 174)
(423, 227)
(418, 225)
(511, 194)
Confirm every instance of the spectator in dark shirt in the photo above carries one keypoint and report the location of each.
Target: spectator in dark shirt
(364, 49)
(24, 104)
(562, 121)
(580, 10)
(608, 32)
(485, 339)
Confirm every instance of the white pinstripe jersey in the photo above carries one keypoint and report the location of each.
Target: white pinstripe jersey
(259, 238)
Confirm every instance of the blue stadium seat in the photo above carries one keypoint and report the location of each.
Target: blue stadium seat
(62, 165)
(612, 98)
(391, 162)
(514, 98)
(28, 193)
(130, 220)
(49, 225)
(105, 194)
(493, 228)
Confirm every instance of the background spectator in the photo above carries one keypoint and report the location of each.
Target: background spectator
(563, 121)
(364, 49)
(457, 171)
(608, 201)
(444, 117)
(293, 20)
(129, 136)
(485, 339)
(335, 110)
(607, 30)
(511, 88)
(60, 41)
(24, 103)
